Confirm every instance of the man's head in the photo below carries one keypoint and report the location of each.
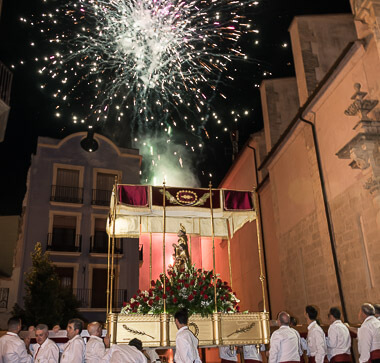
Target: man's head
(377, 310)
(293, 321)
(74, 328)
(95, 328)
(41, 333)
(181, 318)
(136, 343)
(365, 311)
(14, 325)
(334, 314)
(283, 318)
(311, 313)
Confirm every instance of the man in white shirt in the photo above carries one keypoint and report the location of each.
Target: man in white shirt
(12, 348)
(74, 349)
(45, 351)
(338, 339)
(131, 353)
(284, 342)
(251, 355)
(186, 342)
(303, 343)
(368, 335)
(95, 347)
(227, 354)
(316, 338)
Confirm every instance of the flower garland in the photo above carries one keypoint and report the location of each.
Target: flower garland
(187, 288)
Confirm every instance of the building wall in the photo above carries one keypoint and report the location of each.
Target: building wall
(317, 41)
(39, 208)
(279, 98)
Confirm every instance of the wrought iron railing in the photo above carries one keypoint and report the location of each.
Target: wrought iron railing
(5, 83)
(101, 197)
(60, 193)
(99, 244)
(91, 298)
(58, 242)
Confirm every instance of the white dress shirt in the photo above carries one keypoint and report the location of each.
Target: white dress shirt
(368, 338)
(125, 354)
(250, 352)
(13, 349)
(73, 351)
(302, 343)
(338, 340)
(316, 341)
(284, 345)
(226, 353)
(47, 352)
(95, 350)
(186, 346)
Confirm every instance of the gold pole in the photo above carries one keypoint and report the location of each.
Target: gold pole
(163, 242)
(113, 245)
(229, 253)
(150, 260)
(213, 247)
(259, 246)
(190, 252)
(108, 271)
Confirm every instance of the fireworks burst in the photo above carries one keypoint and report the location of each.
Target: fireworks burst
(151, 64)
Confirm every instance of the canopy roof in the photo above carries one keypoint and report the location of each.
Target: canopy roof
(139, 209)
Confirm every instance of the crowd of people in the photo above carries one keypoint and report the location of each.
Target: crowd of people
(286, 344)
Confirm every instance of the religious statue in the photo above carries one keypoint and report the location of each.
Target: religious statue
(181, 252)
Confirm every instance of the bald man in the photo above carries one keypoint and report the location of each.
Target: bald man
(368, 335)
(95, 347)
(284, 342)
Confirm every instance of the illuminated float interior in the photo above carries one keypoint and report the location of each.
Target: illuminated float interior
(161, 217)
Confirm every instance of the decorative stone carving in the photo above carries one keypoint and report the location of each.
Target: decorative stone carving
(360, 106)
(364, 148)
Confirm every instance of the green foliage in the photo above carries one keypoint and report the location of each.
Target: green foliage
(45, 301)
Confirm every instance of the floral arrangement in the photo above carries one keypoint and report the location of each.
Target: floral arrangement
(186, 288)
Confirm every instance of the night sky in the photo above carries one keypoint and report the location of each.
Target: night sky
(269, 54)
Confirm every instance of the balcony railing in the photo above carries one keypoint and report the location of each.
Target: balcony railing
(60, 193)
(99, 244)
(101, 197)
(59, 243)
(5, 83)
(91, 298)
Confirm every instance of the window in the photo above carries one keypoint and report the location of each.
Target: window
(99, 240)
(104, 181)
(63, 236)
(67, 184)
(66, 277)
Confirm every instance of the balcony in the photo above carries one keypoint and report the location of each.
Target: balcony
(101, 197)
(63, 194)
(60, 242)
(92, 299)
(99, 243)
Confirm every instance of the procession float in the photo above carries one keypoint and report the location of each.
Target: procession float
(213, 307)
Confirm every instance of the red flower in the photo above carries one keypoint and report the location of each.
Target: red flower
(205, 296)
(175, 300)
(138, 291)
(187, 286)
(168, 288)
(199, 270)
(194, 293)
(191, 297)
(221, 298)
(237, 308)
(134, 297)
(178, 287)
(153, 283)
(192, 282)
(174, 274)
(157, 298)
(124, 304)
(145, 299)
(227, 296)
(187, 275)
(150, 302)
(164, 296)
(137, 304)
